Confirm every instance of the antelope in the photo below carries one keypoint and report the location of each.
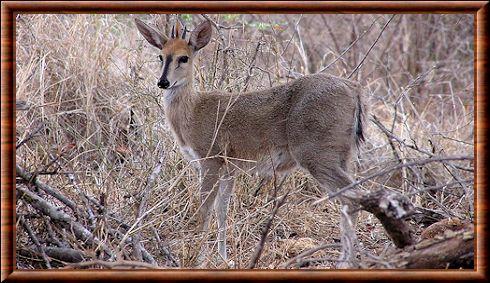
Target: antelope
(313, 123)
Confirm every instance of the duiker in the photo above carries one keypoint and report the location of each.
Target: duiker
(313, 123)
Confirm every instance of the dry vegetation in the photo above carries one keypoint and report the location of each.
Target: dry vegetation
(90, 126)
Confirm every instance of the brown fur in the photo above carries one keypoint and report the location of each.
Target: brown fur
(313, 122)
(316, 110)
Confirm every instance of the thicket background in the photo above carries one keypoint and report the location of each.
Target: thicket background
(90, 126)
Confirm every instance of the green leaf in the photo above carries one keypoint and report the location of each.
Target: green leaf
(186, 17)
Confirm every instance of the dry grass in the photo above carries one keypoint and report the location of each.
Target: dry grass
(90, 82)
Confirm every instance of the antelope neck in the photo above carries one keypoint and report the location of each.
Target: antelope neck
(178, 104)
(175, 96)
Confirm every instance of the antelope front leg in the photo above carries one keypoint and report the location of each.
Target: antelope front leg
(221, 206)
(209, 180)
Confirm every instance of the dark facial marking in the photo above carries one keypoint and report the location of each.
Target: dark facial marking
(163, 81)
(168, 60)
(184, 33)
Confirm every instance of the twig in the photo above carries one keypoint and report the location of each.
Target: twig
(165, 250)
(249, 73)
(301, 47)
(330, 32)
(348, 47)
(435, 188)
(260, 245)
(390, 136)
(36, 241)
(32, 179)
(137, 246)
(370, 48)
(218, 29)
(60, 217)
(90, 213)
(388, 170)
(30, 136)
(306, 253)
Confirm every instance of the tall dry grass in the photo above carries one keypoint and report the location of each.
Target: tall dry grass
(89, 87)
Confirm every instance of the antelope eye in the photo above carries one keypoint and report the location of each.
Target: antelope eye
(183, 59)
(160, 58)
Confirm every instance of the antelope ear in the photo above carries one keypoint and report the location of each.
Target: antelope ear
(201, 35)
(151, 35)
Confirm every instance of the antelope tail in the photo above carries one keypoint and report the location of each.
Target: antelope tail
(359, 121)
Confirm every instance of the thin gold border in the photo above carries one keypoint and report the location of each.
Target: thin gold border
(10, 8)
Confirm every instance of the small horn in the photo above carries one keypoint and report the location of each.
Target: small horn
(177, 28)
(173, 32)
(184, 33)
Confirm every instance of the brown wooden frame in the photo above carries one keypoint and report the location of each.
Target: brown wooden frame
(9, 9)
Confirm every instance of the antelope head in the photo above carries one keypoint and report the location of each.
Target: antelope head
(176, 53)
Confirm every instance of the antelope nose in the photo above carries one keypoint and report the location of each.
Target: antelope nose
(163, 83)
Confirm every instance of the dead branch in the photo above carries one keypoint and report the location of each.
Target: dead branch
(390, 208)
(34, 239)
(110, 264)
(451, 250)
(65, 254)
(32, 179)
(62, 219)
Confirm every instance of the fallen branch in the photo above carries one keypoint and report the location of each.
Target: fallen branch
(62, 218)
(390, 208)
(65, 254)
(451, 250)
(35, 240)
(112, 264)
(32, 179)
